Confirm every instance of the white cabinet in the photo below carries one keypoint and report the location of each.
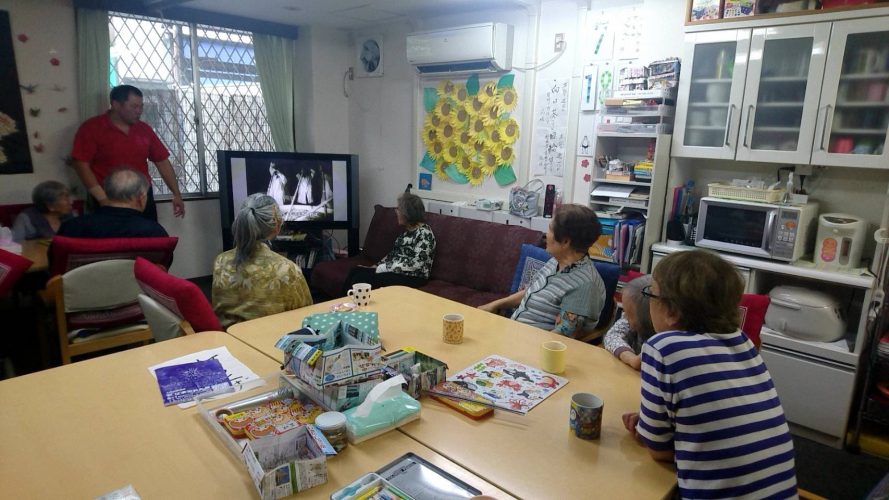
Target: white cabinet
(711, 91)
(853, 119)
(807, 93)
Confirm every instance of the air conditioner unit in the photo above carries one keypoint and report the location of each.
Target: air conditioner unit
(478, 47)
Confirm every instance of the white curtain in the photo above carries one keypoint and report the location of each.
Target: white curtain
(274, 63)
(94, 61)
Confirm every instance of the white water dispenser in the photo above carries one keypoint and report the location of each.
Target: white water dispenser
(839, 242)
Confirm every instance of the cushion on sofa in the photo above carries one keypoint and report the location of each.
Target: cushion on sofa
(477, 254)
(459, 293)
(381, 233)
(531, 259)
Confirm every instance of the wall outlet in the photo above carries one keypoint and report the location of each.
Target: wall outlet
(559, 43)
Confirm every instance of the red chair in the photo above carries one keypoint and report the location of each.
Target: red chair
(67, 253)
(753, 311)
(12, 267)
(173, 306)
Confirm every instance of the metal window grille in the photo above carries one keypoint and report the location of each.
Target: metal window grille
(197, 105)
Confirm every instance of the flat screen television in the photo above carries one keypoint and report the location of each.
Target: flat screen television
(314, 191)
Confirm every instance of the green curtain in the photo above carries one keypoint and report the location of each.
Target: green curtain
(94, 61)
(274, 63)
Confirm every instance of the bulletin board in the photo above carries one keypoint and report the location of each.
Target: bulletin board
(468, 131)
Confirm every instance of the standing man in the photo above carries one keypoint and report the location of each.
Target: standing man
(117, 137)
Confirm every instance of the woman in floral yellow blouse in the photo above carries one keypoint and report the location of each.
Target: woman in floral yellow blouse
(251, 281)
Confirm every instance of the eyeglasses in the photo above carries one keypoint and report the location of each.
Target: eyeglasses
(646, 291)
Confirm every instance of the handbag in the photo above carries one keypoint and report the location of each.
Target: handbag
(523, 200)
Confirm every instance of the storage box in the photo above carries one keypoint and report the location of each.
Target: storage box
(603, 247)
(283, 465)
(738, 8)
(702, 10)
(351, 354)
(422, 372)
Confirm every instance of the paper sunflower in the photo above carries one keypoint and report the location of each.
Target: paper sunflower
(488, 92)
(465, 165)
(436, 149)
(448, 132)
(452, 153)
(489, 161)
(474, 105)
(440, 167)
(466, 139)
(495, 136)
(506, 99)
(461, 116)
(477, 127)
(476, 175)
(430, 134)
(432, 119)
(446, 89)
(509, 130)
(444, 108)
(478, 147)
(461, 95)
(505, 155)
(490, 114)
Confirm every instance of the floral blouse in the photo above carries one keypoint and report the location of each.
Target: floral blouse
(266, 283)
(412, 254)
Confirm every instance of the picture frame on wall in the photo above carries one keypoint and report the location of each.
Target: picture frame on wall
(15, 153)
(369, 56)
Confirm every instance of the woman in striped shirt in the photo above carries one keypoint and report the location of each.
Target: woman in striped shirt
(708, 402)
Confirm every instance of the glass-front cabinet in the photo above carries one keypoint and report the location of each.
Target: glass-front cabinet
(781, 93)
(710, 94)
(853, 118)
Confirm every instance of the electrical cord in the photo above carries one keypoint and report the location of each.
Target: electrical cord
(547, 63)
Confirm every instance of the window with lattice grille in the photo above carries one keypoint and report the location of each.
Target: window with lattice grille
(200, 90)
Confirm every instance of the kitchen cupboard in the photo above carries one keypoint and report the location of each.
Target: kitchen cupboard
(805, 93)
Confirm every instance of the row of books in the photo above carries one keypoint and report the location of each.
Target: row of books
(627, 242)
(307, 260)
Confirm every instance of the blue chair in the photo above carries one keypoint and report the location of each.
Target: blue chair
(532, 258)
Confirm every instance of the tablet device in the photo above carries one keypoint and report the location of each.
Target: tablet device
(421, 479)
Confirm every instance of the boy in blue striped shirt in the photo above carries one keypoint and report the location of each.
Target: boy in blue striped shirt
(708, 402)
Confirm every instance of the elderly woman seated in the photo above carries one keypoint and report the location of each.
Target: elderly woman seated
(251, 281)
(567, 294)
(52, 206)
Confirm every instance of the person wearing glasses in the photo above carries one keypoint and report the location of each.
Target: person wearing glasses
(251, 281)
(625, 337)
(708, 401)
(567, 293)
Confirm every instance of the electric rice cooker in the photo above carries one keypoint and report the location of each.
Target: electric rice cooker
(805, 314)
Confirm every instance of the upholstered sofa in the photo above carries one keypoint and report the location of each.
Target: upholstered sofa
(474, 260)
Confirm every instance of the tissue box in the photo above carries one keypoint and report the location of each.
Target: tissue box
(428, 374)
(351, 355)
(385, 408)
(286, 464)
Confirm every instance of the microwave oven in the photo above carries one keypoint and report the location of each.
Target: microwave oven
(770, 230)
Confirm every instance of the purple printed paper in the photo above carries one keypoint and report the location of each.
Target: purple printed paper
(185, 382)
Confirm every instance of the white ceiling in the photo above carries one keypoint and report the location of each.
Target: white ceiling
(345, 14)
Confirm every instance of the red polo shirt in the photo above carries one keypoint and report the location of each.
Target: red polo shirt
(104, 146)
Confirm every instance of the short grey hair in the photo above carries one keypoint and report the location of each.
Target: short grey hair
(256, 220)
(633, 292)
(46, 193)
(124, 184)
(411, 208)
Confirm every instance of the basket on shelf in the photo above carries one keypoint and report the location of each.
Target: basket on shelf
(723, 190)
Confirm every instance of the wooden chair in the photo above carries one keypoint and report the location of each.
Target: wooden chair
(99, 298)
(67, 253)
(172, 305)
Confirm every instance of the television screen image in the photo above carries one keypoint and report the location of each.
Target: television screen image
(314, 191)
(306, 190)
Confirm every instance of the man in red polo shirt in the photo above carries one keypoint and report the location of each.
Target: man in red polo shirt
(118, 138)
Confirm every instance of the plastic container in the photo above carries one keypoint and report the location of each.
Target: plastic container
(721, 190)
(333, 425)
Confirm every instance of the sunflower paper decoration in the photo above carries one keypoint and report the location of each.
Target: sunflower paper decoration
(467, 132)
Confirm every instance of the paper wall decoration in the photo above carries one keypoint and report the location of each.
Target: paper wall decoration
(588, 87)
(468, 133)
(550, 128)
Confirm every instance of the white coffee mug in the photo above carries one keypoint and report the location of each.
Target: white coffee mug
(360, 294)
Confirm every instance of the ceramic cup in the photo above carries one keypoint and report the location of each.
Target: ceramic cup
(552, 356)
(360, 294)
(452, 328)
(586, 415)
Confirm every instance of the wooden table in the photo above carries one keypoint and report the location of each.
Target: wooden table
(531, 456)
(35, 251)
(91, 427)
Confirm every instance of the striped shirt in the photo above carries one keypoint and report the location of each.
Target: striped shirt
(710, 399)
(576, 289)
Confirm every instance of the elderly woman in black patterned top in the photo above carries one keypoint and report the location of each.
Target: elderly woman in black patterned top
(410, 260)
